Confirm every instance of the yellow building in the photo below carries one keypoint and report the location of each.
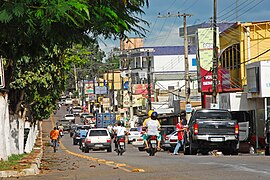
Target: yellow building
(241, 44)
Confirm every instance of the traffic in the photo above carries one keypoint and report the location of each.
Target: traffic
(206, 132)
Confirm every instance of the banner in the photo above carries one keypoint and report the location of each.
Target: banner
(141, 89)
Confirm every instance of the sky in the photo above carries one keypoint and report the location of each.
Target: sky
(165, 31)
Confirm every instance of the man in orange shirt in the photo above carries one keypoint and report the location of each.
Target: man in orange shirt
(54, 134)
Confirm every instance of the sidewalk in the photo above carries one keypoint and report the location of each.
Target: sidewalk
(33, 159)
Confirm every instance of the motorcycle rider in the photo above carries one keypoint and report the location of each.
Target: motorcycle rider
(144, 128)
(120, 131)
(153, 127)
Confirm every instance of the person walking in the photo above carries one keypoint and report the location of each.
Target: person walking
(54, 136)
(180, 134)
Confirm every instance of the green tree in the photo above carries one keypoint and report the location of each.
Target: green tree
(35, 35)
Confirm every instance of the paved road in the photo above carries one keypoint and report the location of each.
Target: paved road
(70, 163)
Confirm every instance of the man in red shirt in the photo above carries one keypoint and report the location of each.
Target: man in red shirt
(180, 129)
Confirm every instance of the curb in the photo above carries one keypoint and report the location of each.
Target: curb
(35, 164)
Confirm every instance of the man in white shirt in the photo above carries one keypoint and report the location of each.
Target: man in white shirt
(120, 131)
(153, 127)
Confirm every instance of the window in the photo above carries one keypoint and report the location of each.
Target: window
(213, 115)
(98, 133)
(194, 62)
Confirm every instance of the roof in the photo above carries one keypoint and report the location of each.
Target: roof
(165, 50)
(191, 30)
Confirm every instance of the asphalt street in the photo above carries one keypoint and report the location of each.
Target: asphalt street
(69, 162)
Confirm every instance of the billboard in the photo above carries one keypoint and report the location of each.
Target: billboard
(89, 87)
(205, 46)
(101, 90)
(140, 89)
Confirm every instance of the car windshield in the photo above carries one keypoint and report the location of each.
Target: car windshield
(83, 115)
(133, 129)
(213, 115)
(63, 120)
(69, 115)
(98, 133)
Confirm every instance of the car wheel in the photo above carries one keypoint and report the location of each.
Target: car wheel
(141, 148)
(234, 150)
(109, 149)
(86, 149)
(192, 150)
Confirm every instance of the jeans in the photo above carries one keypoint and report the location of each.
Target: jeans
(178, 145)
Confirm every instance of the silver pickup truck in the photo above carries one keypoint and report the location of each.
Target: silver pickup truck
(211, 129)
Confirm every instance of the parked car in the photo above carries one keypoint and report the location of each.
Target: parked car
(211, 129)
(133, 134)
(139, 143)
(166, 130)
(170, 142)
(98, 139)
(76, 136)
(70, 117)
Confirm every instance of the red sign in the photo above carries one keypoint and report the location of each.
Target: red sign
(141, 89)
(207, 80)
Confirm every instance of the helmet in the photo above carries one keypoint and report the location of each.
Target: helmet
(120, 123)
(154, 115)
(150, 113)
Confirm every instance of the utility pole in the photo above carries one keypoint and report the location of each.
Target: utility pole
(187, 76)
(113, 91)
(149, 82)
(75, 78)
(215, 57)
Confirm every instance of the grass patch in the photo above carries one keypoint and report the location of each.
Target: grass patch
(13, 163)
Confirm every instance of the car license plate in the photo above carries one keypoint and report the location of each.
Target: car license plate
(122, 143)
(153, 141)
(98, 145)
(216, 139)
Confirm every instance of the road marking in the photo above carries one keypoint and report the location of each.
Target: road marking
(121, 166)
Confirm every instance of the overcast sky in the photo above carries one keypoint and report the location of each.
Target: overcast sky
(164, 31)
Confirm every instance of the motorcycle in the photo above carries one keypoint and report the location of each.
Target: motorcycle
(61, 133)
(152, 142)
(120, 146)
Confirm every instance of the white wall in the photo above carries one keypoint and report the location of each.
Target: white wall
(235, 102)
(173, 63)
(3, 135)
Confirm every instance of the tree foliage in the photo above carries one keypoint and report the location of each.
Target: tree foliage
(35, 34)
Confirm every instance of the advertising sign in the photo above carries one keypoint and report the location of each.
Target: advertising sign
(141, 89)
(126, 99)
(205, 40)
(101, 90)
(89, 88)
